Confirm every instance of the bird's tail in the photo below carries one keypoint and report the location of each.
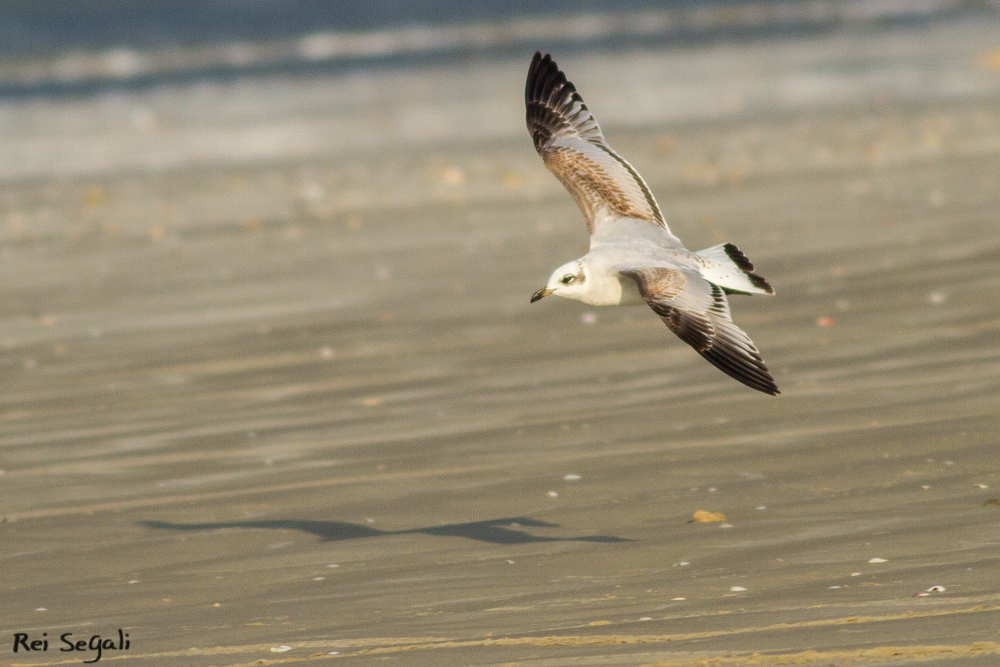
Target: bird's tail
(730, 269)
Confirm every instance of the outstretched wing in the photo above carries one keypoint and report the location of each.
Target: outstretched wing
(571, 145)
(698, 312)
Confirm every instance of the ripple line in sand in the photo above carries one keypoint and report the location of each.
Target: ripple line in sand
(587, 640)
(868, 656)
(232, 493)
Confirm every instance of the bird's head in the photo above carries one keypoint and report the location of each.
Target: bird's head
(569, 280)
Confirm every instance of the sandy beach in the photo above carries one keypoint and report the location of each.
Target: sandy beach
(273, 390)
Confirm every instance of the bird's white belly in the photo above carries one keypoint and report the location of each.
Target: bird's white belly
(611, 291)
(629, 293)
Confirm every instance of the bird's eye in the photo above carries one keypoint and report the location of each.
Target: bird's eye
(567, 279)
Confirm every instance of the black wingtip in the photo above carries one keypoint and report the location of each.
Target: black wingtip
(762, 382)
(545, 89)
(529, 83)
(740, 361)
(544, 78)
(753, 374)
(538, 72)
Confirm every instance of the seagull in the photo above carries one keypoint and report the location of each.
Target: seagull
(634, 258)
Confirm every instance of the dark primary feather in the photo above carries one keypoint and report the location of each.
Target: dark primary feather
(707, 327)
(552, 104)
(570, 143)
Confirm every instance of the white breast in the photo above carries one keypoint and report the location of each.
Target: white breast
(629, 295)
(609, 290)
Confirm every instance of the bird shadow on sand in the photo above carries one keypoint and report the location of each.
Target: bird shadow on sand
(495, 531)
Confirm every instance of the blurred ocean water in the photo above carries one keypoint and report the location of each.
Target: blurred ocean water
(54, 47)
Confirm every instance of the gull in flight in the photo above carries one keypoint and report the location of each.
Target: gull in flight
(634, 258)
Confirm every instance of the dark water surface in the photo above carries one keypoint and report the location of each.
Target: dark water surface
(53, 48)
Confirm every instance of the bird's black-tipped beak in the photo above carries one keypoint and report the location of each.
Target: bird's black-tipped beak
(545, 291)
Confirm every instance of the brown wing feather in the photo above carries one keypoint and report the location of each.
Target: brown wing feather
(570, 143)
(588, 182)
(697, 311)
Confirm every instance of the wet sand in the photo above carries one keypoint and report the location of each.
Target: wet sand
(273, 388)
